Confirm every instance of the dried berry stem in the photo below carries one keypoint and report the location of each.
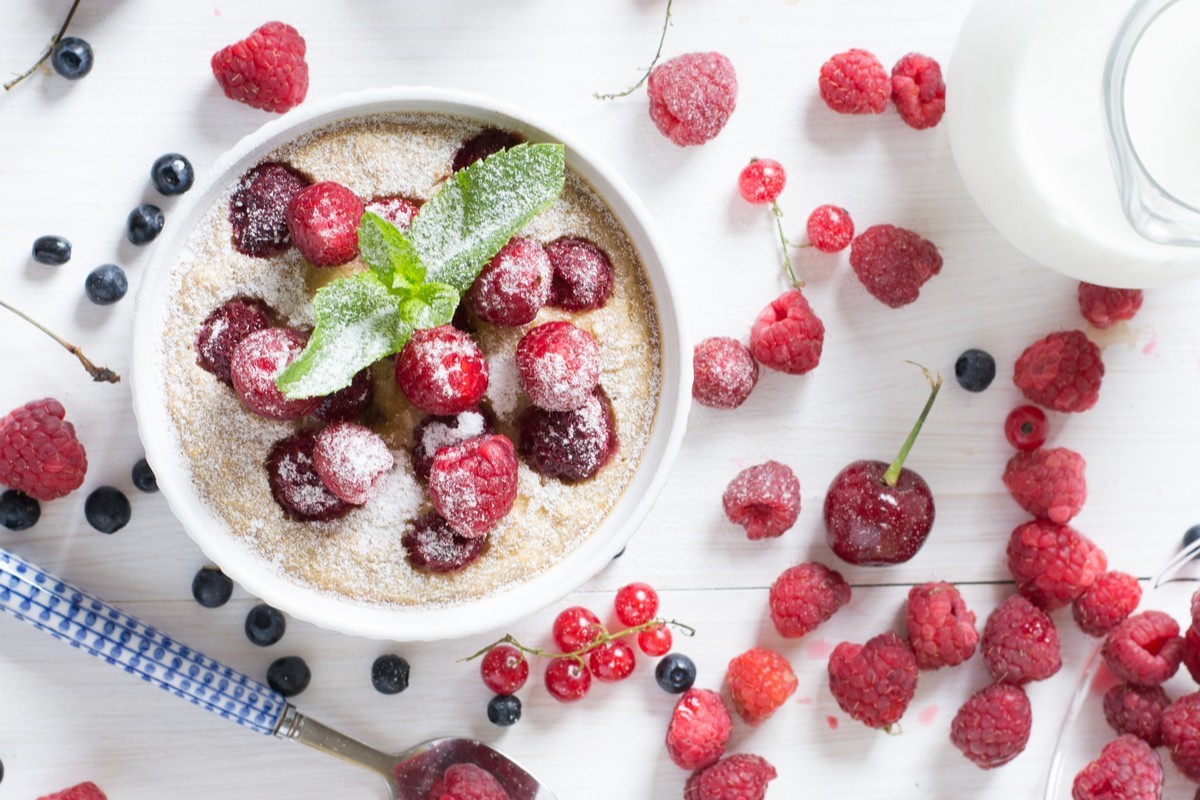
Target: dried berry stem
(649, 69)
(892, 476)
(603, 637)
(53, 41)
(784, 244)
(99, 374)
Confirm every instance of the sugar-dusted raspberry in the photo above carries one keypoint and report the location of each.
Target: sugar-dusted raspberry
(432, 545)
(788, 335)
(893, 263)
(918, 91)
(1052, 563)
(741, 776)
(1136, 710)
(433, 433)
(514, 286)
(559, 365)
(467, 782)
(1062, 371)
(39, 454)
(81, 791)
(1050, 484)
(692, 96)
(265, 70)
(1025, 427)
(295, 484)
(1020, 643)
(761, 180)
(724, 372)
(804, 596)
(992, 727)
(256, 363)
(763, 499)
(1181, 733)
(830, 228)
(699, 729)
(874, 682)
(323, 222)
(483, 144)
(1104, 307)
(398, 210)
(221, 331)
(442, 371)
(569, 445)
(583, 275)
(760, 681)
(348, 404)
(940, 626)
(1126, 769)
(353, 461)
(1111, 598)
(1191, 652)
(854, 82)
(473, 484)
(1145, 649)
(258, 209)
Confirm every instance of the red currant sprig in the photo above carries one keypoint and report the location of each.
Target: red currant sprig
(760, 182)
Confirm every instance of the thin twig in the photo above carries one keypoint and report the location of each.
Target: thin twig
(53, 41)
(99, 374)
(649, 69)
(602, 637)
(783, 241)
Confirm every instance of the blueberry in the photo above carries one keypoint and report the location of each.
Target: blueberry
(18, 511)
(675, 673)
(289, 675)
(53, 250)
(212, 588)
(975, 370)
(265, 625)
(1, 770)
(504, 710)
(107, 509)
(72, 58)
(172, 174)
(1193, 533)
(145, 223)
(143, 477)
(106, 284)
(389, 674)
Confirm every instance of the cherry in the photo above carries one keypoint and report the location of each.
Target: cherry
(636, 604)
(611, 662)
(575, 628)
(1025, 428)
(567, 679)
(876, 513)
(504, 669)
(761, 181)
(655, 641)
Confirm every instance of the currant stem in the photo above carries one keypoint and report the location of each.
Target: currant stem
(784, 243)
(53, 41)
(649, 69)
(892, 476)
(602, 637)
(99, 374)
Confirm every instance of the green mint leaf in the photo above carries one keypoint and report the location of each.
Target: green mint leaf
(389, 253)
(429, 305)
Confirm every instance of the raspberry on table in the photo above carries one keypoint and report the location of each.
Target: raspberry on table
(1062, 371)
(788, 335)
(514, 285)
(1025, 427)
(295, 484)
(1126, 769)
(569, 445)
(559, 365)
(222, 329)
(442, 371)
(893, 263)
(918, 91)
(692, 96)
(487, 142)
(467, 782)
(39, 453)
(265, 70)
(738, 777)
(761, 181)
(854, 82)
(80, 791)
(1020, 643)
(830, 228)
(1053, 564)
(699, 729)
(348, 403)
(1136, 710)
(257, 361)
(805, 596)
(1191, 652)
(583, 275)
(874, 682)
(258, 209)
(1050, 484)
(940, 626)
(352, 461)
(1105, 307)
(473, 485)
(398, 210)
(763, 499)
(433, 433)
(992, 727)
(724, 372)
(1145, 649)
(760, 681)
(323, 222)
(1110, 599)
(432, 545)
(1181, 733)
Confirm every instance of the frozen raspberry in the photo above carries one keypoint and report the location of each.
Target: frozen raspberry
(830, 228)
(874, 682)
(699, 729)
(854, 82)
(474, 484)
(582, 275)
(763, 499)
(432, 545)
(323, 223)
(804, 596)
(433, 433)
(1020, 643)
(1061, 371)
(940, 626)
(467, 782)
(1127, 769)
(760, 681)
(483, 144)
(258, 209)
(353, 461)
(569, 445)
(349, 403)
(1136, 710)
(992, 727)
(265, 70)
(295, 484)
(918, 91)
(221, 331)
(1049, 484)
(1111, 598)
(893, 263)
(514, 286)
(400, 211)
(82, 791)
(1191, 652)
(441, 371)
(1104, 307)
(692, 96)
(39, 454)
(256, 363)
(761, 181)
(1181, 733)
(1025, 427)
(559, 365)
(611, 662)
(1052, 563)
(788, 335)
(738, 777)
(725, 372)
(1145, 649)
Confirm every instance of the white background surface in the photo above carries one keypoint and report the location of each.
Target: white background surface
(74, 159)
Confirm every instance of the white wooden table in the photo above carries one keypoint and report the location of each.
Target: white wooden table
(74, 159)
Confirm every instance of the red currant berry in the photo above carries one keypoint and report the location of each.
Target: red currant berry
(504, 669)
(1025, 428)
(636, 603)
(575, 628)
(655, 641)
(611, 662)
(567, 680)
(761, 180)
(830, 228)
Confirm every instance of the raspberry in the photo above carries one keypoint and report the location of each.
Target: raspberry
(352, 461)
(830, 228)
(611, 662)
(258, 209)
(854, 82)
(1181, 733)
(1127, 769)
(1108, 601)
(1020, 642)
(804, 596)
(1049, 484)
(760, 681)
(874, 682)
(569, 445)
(738, 777)
(348, 404)
(940, 626)
(918, 91)
(575, 628)
(788, 335)
(582, 275)
(692, 96)
(221, 331)
(1195, 609)
(441, 371)
(514, 286)
(1136, 710)
(992, 727)
(559, 365)
(474, 484)
(504, 669)
(256, 363)
(763, 499)
(432, 545)
(265, 70)
(699, 729)
(467, 782)
(1104, 307)
(295, 484)
(1025, 427)
(725, 372)
(39, 454)
(323, 223)
(483, 144)
(82, 791)
(1052, 563)
(636, 604)
(1061, 371)
(433, 433)
(1191, 652)
(1145, 649)
(400, 211)
(567, 680)
(761, 181)
(893, 263)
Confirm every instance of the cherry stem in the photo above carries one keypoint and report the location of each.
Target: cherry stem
(602, 637)
(649, 69)
(784, 244)
(99, 374)
(892, 476)
(53, 41)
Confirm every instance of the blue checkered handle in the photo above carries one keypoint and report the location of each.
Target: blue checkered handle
(88, 623)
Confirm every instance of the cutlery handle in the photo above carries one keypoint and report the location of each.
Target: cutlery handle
(89, 624)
